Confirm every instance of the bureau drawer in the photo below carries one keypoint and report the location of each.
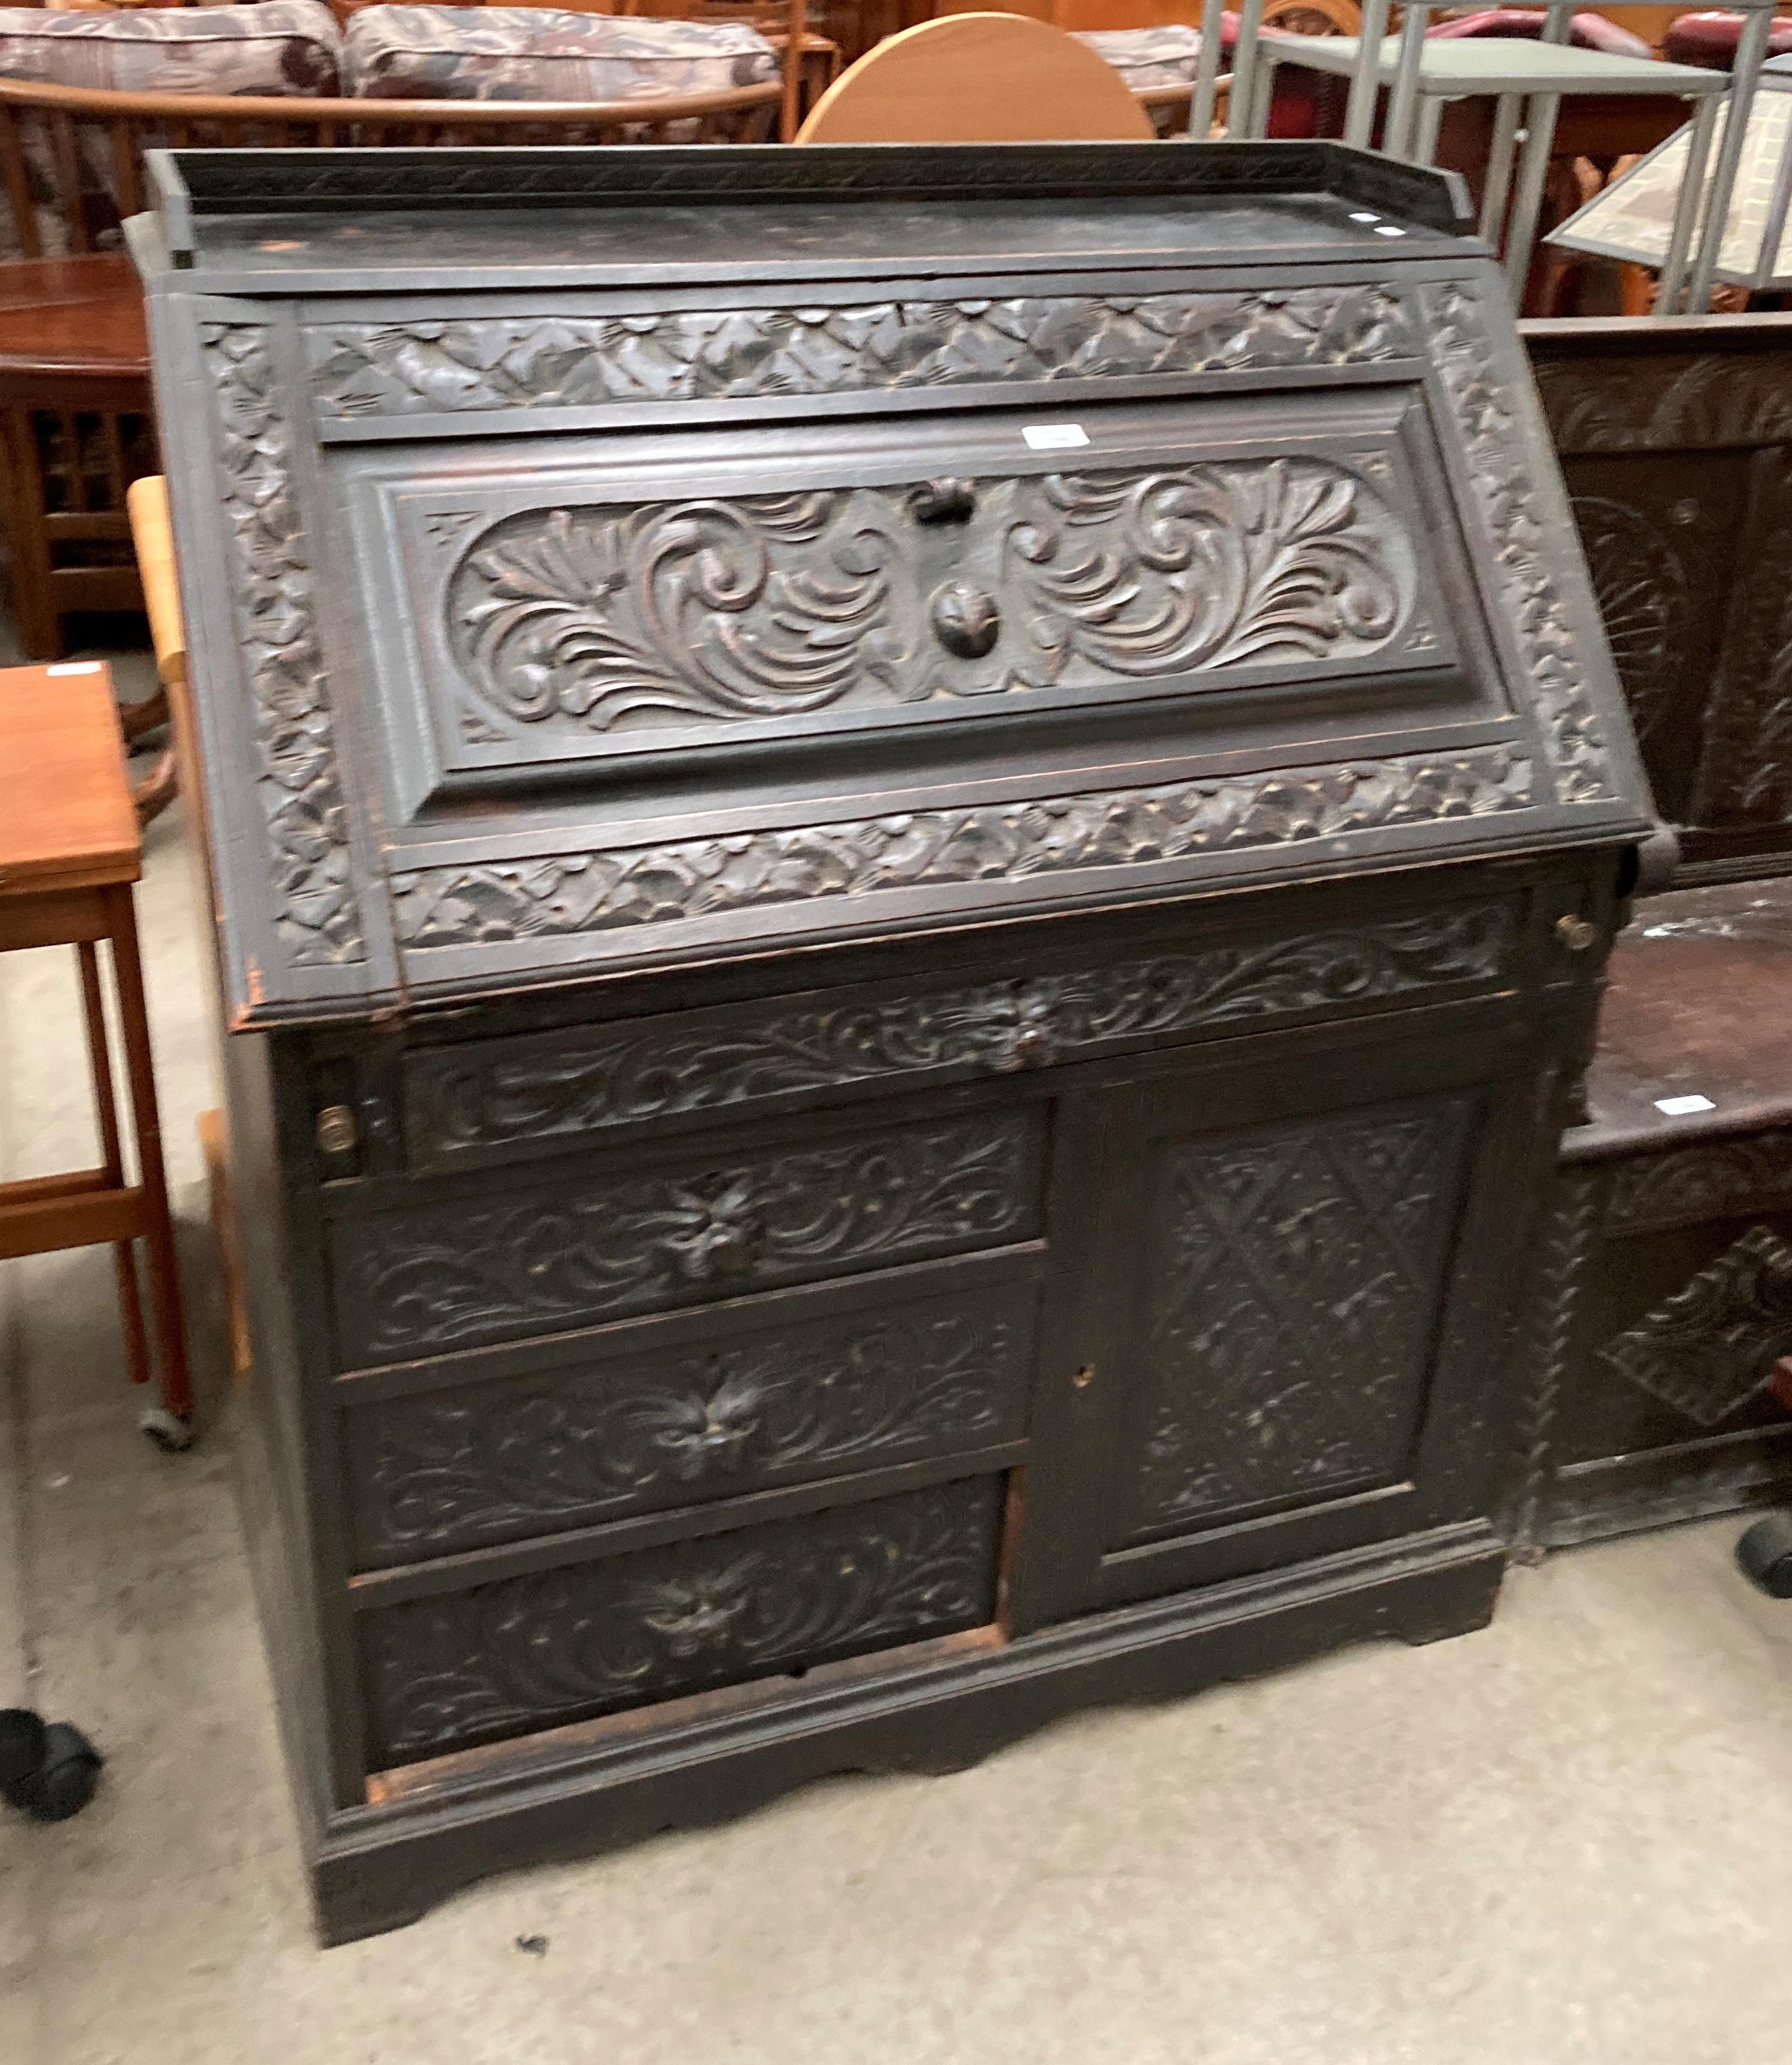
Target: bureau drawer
(506, 1658)
(652, 1414)
(479, 1267)
(538, 1093)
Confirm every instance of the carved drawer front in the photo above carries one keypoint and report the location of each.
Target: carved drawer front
(490, 1266)
(501, 1099)
(455, 1668)
(655, 1413)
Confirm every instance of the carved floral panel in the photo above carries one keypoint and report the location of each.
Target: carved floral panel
(460, 1099)
(599, 890)
(314, 912)
(529, 1652)
(607, 619)
(1295, 1283)
(1513, 495)
(449, 1469)
(368, 369)
(445, 1275)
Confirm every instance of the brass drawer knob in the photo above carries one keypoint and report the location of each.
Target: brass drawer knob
(337, 1131)
(1576, 934)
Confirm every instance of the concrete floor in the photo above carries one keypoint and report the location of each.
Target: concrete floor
(1565, 1841)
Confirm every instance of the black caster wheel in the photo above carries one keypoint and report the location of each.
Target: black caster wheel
(167, 1430)
(1765, 1553)
(48, 1771)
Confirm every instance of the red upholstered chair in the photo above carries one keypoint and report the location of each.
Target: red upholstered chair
(1710, 40)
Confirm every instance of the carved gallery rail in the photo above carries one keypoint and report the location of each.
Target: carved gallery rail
(906, 903)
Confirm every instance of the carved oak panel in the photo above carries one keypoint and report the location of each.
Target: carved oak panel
(446, 1275)
(525, 1653)
(612, 619)
(655, 1426)
(571, 894)
(1295, 1279)
(460, 1101)
(564, 361)
(1711, 1347)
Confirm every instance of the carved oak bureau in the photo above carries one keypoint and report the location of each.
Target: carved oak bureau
(912, 849)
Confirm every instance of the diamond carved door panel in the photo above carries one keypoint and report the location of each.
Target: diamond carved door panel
(1284, 1304)
(1291, 1301)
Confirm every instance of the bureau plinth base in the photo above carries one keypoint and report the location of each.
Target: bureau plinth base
(377, 1867)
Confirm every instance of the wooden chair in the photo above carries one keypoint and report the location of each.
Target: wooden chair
(75, 422)
(978, 78)
(69, 853)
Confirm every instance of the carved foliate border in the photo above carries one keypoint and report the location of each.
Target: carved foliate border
(470, 363)
(1508, 490)
(1705, 1180)
(464, 1099)
(315, 914)
(570, 893)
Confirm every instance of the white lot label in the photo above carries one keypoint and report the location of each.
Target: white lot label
(1054, 437)
(75, 667)
(1679, 1107)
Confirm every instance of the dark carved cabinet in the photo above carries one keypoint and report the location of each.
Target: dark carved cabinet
(911, 852)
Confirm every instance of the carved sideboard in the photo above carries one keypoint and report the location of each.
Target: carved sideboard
(1676, 441)
(912, 850)
(1664, 1284)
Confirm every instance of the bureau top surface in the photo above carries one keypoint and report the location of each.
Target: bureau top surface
(335, 220)
(630, 558)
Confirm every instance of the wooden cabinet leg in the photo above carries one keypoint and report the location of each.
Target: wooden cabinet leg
(130, 1299)
(164, 1281)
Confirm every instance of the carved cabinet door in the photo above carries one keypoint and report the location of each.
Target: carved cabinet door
(1282, 1291)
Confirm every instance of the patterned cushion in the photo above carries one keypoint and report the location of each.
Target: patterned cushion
(282, 46)
(541, 54)
(1586, 32)
(1144, 58)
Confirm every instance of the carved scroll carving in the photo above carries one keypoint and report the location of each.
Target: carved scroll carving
(451, 1273)
(571, 362)
(314, 912)
(1294, 1282)
(778, 605)
(1509, 493)
(1712, 1347)
(1745, 773)
(620, 886)
(461, 1099)
(527, 1652)
(1657, 402)
(482, 1463)
(1704, 1181)
(1641, 586)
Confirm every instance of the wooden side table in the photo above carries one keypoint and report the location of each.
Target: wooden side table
(69, 853)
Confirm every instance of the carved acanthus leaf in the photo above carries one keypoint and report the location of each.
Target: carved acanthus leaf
(778, 605)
